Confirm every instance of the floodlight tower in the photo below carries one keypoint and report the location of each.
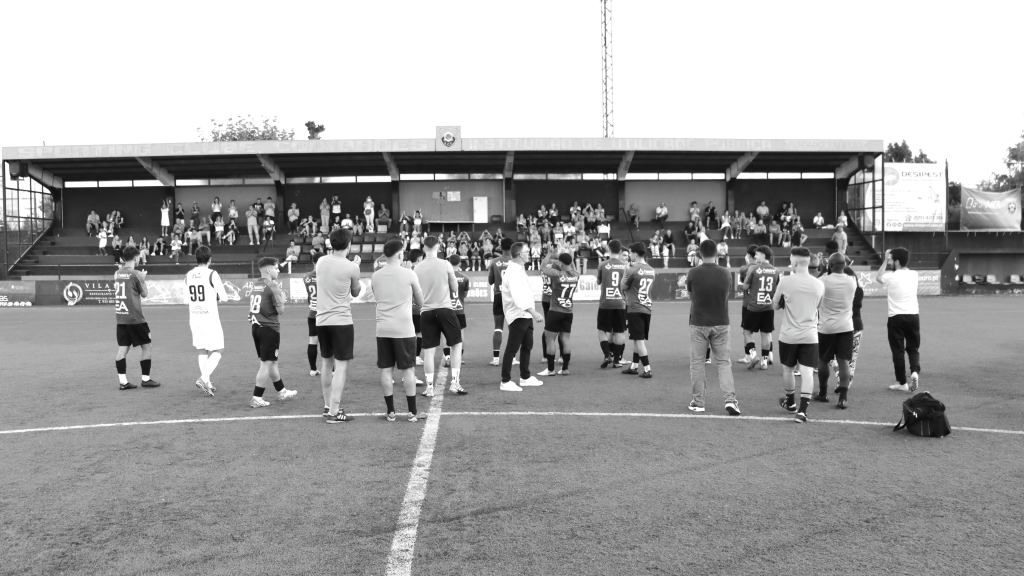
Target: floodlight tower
(607, 89)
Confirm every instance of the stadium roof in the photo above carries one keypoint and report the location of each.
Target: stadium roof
(53, 165)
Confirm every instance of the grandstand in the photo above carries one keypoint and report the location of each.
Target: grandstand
(475, 184)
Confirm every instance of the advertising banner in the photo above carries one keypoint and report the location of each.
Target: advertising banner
(989, 210)
(915, 197)
(17, 294)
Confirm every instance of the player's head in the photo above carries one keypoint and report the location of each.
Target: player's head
(455, 260)
(393, 249)
(203, 255)
(837, 263)
(341, 239)
(268, 267)
(565, 258)
(800, 258)
(506, 244)
(831, 247)
(708, 249)
(763, 254)
(518, 251)
(317, 256)
(415, 255)
(430, 244)
(131, 255)
(638, 249)
(615, 247)
(900, 256)
(752, 252)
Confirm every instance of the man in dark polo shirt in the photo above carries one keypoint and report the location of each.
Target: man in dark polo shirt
(709, 285)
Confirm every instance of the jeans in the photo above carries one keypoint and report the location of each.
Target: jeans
(721, 349)
(905, 337)
(520, 336)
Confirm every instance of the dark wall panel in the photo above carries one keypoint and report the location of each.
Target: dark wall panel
(352, 196)
(810, 197)
(139, 206)
(530, 194)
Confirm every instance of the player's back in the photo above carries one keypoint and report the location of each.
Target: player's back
(263, 310)
(764, 280)
(309, 281)
(610, 274)
(497, 270)
(563, 288)
(459, 298)
(201, 294)
(639, 278)
(335, 276)
(128, 296)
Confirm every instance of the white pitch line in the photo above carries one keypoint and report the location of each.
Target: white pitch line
(403, 544)
(584, 414)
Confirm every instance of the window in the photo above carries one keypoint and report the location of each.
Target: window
(27, 214)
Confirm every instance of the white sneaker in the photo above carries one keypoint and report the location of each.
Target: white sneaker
(914, 381)
(418, 381)
(495, 362)
(286, 394)
(897, 387)
(515, 361)
(545, 372)
(509, 387)
(429, 392)
(258, 403)
(531, 381)
(419, 361)
(796, 373)
(314, 372)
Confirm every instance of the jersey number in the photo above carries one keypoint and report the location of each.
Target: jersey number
(254, 303)
(766, 289)
(119, 290)
(644, 291)
(565, 299)
(197, 293)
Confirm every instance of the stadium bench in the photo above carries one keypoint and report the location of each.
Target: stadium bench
(1015, 279)
(991, 279)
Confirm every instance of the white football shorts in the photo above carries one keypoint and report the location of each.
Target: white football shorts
(207, 335)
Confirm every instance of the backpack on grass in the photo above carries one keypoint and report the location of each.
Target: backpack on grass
(924, 415)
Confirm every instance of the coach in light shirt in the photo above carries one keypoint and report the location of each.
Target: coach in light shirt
(517, 300)
(904, 325)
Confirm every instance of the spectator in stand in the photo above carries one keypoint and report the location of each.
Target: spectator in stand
(176, 248)
(575, 209)
(553, 213)
(117, 249)
(253, 225)
(725, 224)
(383, 220)
(723, 254)
(599, 213)
(204, 230)
(694, 212)
(268, 230)
(521, 223)
(798, 232)
(598, 248)
(368, 210)
(417, 222)
(739, 224)
(654, 244)
(463, 255)
(270, 209)
(542, 213)
(293, 218)
(335, 225)
(692, 253)
(179, 227)
(92, 223)
(232, 212)
(762, 211)
(774, 233)
(842, 220)
(668, 242)
(535, 255)
(195, 240)
(307, 227)
(159, 247)
(760, 232)
(325, 213)
(486, 235)
(415, 241)
(488, 247)
(194, 220)
(534, 237)
(404, 223)
(661, 214)
(216, 209)
(291, 254)
(144, 249)
(752, 221)
(165, 216)
(711, 217)
(818, 221)
(335, 208)
(786, 240)
(545, 231)
(218, 230)
(317, 245)
(102, 236)
(464, 238)
(559, 234)
(179, 213)
(691, 231)
(231, 235)
(358, 227)
(840, 238)
(475, 256)
(634, 216)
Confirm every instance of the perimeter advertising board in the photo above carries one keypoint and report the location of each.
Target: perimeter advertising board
(915, 197)
(990, 210)
(17, 294)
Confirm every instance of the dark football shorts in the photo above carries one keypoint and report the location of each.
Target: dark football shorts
(838, 346)
(639, 324)
(437, 322)
(336, 341)
(311, 324)
(396, 352)
(497, 308)
(555, 321)
(743, 316)
(792, 354)
(417, 323)
(133, 334)
(759, 321)
(611, 319)
(546, 305)
(267, 341)
(462, 321)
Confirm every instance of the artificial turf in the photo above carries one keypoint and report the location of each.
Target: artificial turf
(507, 493)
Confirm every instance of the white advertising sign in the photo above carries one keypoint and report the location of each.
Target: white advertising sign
(915, 197)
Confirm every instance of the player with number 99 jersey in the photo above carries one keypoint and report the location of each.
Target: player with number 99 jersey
(203, 288)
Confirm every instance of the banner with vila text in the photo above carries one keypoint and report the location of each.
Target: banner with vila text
(989, 210)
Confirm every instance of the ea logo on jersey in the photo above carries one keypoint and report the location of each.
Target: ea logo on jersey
(763, 298)
(73, 294)
(612, 293)
(121, 308)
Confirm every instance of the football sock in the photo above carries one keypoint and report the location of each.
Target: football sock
(646, 361)
(842, 393)
(429, 377)
(551, 362)
(211, 364)
(311, 354)
(447, 351)
(257, 392)
(790, 400)
(605, 348)
(419, 345)
(279, 385)
(122, 370)
(455, 375)
(565, 361)
(618, 349)
(544, 346)
(635, 362)
(749, 348)
(390, 401)
(497, 353)
(823, 381)
(202, 366)
(496, 341)
(411, 400)
(764, 353)
(771, 345)
(805, 399)
(145, 365)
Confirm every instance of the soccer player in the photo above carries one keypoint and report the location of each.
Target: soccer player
(495, 274)
(395, 289)
(550, 259)
(459, 302)
(563, 279)
(798, 339)
(415, 257)
(517, 300)
(204, 288)
(749, 347)
(337, 281)
(265, 304)
(858, 331)
(835, 329)
(611, 310)
(636, 285)
(761, 283)
(904, 324)
(437, 314)
(132, 328)
(309, 281)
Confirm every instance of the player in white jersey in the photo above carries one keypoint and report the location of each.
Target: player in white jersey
(203, 288)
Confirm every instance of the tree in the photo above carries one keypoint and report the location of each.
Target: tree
(244, 128)
(1014, 177)
(954, 190)
(902, 153)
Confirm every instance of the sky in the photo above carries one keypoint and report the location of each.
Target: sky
(945, 77)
